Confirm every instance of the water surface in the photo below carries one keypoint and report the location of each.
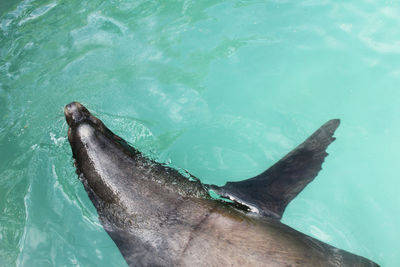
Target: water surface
(221, 88)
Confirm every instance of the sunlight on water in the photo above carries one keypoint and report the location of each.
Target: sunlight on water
(221, 88)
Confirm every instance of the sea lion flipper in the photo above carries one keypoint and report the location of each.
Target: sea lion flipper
(270, 192)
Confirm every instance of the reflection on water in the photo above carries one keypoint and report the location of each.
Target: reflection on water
(220, 88)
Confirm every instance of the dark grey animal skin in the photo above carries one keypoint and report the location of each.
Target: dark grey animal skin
(158, 217)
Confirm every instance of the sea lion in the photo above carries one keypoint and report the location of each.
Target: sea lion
(158, 217)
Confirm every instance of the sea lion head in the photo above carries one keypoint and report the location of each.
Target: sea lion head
(81, 121)
(85, 134)
(75, 112)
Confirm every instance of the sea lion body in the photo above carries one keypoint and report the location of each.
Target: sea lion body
(158, 217)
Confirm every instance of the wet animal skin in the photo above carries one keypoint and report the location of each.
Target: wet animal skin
(158, 217)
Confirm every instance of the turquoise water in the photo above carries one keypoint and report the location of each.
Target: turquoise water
(221, 88)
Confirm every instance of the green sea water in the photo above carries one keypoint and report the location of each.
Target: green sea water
(222, 89)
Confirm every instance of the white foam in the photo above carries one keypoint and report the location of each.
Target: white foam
(57, 141)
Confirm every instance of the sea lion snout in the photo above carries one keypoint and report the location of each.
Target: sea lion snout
(75, 112)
